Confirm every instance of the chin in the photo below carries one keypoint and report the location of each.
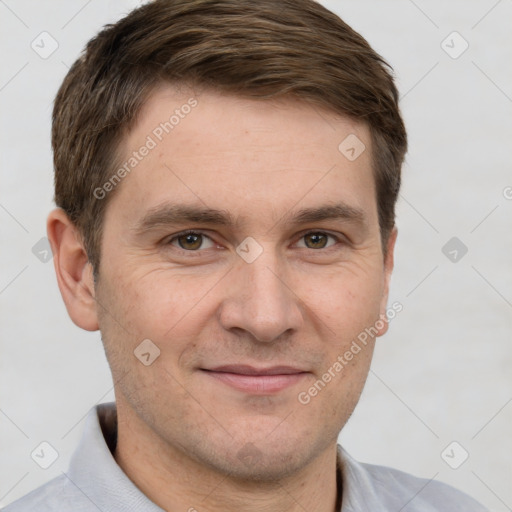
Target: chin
(270, 460)
(250, 464)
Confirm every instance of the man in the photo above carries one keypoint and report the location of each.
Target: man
(225, 174)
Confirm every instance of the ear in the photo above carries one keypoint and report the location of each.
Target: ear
(388, 269)
(73, 270)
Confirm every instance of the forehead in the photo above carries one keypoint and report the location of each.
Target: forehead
(250, 157)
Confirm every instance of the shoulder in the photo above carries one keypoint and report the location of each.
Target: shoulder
(391, 489)
(421, 494)
(56, 495)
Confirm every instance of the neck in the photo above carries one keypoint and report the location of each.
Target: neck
(175, 482)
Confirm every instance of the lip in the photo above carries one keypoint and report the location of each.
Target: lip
(257, 380)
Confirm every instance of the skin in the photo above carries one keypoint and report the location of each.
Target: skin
(183, 433)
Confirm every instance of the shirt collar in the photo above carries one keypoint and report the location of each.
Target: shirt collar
(96, 473)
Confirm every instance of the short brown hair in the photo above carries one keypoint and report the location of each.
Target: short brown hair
(248, 48)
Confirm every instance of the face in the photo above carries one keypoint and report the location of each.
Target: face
(245, 246)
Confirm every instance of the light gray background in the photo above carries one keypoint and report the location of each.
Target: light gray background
(441, 374)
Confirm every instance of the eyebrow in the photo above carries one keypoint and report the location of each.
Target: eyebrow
(172, 214)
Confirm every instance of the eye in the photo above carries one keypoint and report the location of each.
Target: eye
(191, 241)
(318, 240)
(194, 241)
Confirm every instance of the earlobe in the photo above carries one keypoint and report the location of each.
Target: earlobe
(388, 269)
(73, 270)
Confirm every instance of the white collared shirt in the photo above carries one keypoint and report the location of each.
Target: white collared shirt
(95, 483)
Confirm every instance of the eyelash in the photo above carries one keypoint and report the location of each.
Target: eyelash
(199, 232)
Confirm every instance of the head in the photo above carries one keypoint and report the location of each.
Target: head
(231, 119)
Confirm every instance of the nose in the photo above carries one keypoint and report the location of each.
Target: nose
(260, 299)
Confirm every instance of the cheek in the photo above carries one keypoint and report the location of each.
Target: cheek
(156, 303)
(347, 302)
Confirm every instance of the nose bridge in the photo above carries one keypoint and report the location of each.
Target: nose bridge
(266, 281)
(261, 301)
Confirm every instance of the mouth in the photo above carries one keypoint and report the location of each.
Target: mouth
(259, 381)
